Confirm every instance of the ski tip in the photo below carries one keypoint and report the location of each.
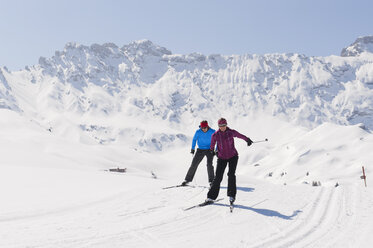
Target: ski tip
(203, 204)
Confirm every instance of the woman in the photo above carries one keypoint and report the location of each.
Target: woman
(227, 154)
(202, 137)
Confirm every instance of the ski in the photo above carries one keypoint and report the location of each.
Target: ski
(176, 186)
(203, 204)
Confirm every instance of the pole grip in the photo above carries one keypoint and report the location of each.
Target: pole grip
(260, 141)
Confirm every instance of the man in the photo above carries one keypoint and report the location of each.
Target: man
(227, 154)
(203, 138)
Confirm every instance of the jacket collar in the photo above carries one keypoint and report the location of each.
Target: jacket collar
(208, 128)
(228, 129)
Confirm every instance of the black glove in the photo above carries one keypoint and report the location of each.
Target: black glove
(249, 142)
(192, 151)
(212, 152)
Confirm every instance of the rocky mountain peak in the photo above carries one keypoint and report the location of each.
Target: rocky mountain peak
(361, 45)
(145, 47)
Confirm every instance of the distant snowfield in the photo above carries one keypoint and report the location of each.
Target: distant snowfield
(55, 191)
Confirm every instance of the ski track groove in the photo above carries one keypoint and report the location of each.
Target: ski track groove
(155, 208)
(63, 210)
(348, 217)
(332, 211)
(153, 234)
(292, 230)
(157, 234)
(199, 216)
(315, 226)
(342, 222)
(337, 207)
(351, 217)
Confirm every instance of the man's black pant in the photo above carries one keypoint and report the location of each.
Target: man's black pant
(200, 154)
(220, 168)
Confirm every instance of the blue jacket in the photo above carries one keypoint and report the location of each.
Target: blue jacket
(202, 139)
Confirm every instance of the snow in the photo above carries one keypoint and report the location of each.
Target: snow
(360, 46)
(66, 121)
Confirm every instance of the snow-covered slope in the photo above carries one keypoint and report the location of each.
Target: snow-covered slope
(56, 193)
(7, 100)
(66, 120)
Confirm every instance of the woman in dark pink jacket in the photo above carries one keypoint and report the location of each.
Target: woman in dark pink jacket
(227, 154)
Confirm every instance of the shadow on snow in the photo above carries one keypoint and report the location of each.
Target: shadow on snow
(265, 212)
(245, 189)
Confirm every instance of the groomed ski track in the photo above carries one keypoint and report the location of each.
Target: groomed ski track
(265, 215)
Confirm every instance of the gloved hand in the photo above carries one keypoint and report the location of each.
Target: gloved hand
(212, 152)
(249, 142)
(192, 151)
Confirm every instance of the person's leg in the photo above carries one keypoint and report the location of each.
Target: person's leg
(214, 190)
(193, 167)
(210, 167)
(232, 165)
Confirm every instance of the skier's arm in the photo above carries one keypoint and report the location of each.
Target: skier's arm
(195, 137)
(241, 136)
(213, 142)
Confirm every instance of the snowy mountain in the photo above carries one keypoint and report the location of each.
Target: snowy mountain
(7, 100)
(67, 120)
(109, 80)
(361, 45)
(145, 98)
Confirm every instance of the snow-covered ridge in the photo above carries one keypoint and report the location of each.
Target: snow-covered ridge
(146, 81)
(7, 100)
(361, 45)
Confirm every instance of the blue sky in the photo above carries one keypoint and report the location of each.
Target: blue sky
(34, 28)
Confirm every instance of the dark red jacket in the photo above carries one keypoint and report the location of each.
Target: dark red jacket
(225, 142)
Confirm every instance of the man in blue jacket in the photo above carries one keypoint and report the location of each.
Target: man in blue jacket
(203, 138)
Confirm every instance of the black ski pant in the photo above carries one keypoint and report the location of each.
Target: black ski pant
(200, 154)
(220, 168)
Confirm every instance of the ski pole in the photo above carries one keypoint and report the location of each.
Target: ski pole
(260, 141)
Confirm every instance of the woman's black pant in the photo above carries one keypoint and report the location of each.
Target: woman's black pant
(200, 154)
(220, 168)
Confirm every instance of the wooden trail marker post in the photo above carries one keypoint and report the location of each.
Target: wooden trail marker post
(364, 177)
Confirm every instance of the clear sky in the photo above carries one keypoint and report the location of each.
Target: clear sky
(33, 28)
